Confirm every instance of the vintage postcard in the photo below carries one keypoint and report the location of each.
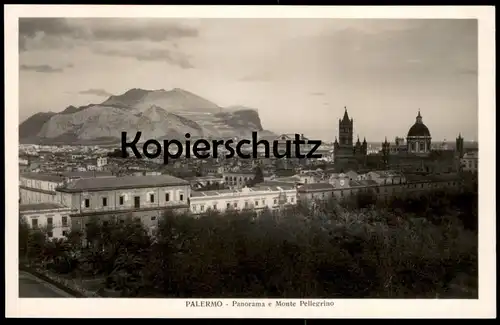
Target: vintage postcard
(242, 162)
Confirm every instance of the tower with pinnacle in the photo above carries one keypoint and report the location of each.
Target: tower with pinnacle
(344, 148)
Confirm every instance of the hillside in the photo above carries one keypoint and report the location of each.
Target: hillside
(158, 114)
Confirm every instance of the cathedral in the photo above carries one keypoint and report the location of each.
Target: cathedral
(417, 153)
(344, 149)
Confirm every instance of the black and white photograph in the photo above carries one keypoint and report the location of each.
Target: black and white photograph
(250, 165)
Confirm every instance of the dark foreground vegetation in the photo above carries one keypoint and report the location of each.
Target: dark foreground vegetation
(419, 247)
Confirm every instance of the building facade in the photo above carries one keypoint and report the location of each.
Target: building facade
(383, 184)
(142, 197)
(52, 218)
(39, 188)
(238, 179)
(470, 162)
(255, 198)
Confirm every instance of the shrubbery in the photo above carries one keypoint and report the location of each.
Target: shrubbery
(419, 247)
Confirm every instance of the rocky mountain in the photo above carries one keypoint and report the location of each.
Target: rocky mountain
(156, 113)
(31, 126)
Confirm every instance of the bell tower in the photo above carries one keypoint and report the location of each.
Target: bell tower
(346, 130)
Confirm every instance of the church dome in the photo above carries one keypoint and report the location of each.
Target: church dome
(419, 129)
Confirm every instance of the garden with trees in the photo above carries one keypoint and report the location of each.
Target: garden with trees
(421, 246)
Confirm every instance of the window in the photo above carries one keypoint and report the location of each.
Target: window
(246, 204)
(167, 197)
(122, 199)
(104, 201)
(87, 203)
(235, 204)
(137, 202)
(256, 203)
(122, 221)
(50, 221)
(215, 206)
(153, 218)
(228, 205)
(152, 198)
(341, 193)
(64, 221)
(181, 197)
(34, 223)
(202, 208)
(263, 202)
(50, 234)
(65, 233)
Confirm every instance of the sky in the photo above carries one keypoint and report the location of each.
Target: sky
(298, 73)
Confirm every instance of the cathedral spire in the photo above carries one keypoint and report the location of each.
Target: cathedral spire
(346, 115)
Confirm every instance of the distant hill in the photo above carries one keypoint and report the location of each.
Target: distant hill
(32, 125)
(156, 113)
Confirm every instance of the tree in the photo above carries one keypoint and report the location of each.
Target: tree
(258, 178)
(410, 246)
(24, 231)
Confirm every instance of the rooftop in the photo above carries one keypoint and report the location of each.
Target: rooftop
(111, 183)
(40, 207)
(43, 177)
(85, 174)
(255, 190)
(316, 187)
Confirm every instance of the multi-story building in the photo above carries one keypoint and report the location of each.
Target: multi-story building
(141, 197)
(383, 185)
(238, 179)
(285, 144)
(52, 218)
(256, 198)
(469, 162)
(41, 187)
(101, 162)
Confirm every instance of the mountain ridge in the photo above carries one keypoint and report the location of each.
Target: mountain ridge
(156, 113)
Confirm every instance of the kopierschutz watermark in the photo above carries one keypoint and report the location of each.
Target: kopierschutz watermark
(204, 149)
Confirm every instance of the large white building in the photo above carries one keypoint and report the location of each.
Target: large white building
(272, 197)
(52, 218)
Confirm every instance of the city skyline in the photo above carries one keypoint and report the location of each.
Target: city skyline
(382, 70)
